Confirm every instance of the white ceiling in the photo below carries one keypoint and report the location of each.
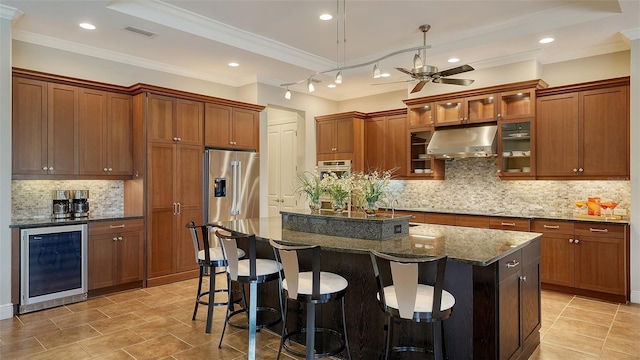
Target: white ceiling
(278, 42)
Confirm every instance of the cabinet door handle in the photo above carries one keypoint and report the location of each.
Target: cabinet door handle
(552, 226)
(50, 168)
(571, 241)
(116, 226)
(119, 238)
(576, 241)
(175, 209)
(575, 170)
(115, 238)
(178, 208)
(508, 224)
(45, 168)
(105, 169)
(523, 278)
(513, 263)
(598, 230)
(110, 169)
(580, 170)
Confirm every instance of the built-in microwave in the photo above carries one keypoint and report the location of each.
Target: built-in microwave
(341, 168)
(53, 266)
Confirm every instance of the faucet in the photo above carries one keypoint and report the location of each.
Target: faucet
(393, 208)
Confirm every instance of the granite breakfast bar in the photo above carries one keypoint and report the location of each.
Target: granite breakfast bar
(493, 274)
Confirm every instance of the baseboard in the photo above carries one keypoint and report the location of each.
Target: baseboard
(635, 296)
(6, 311)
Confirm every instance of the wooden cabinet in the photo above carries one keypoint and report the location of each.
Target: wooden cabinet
(229, 127)
(116, 253)
(105, 133)
(440, 219)
(519, 302)
(341, 137)
(582, 131)
(509, 223)
(468, 110)
(518, 104)
(172, 120)
(589, 259)
(420, 164)
(386, 143)
(174, 176)
(44, 128)
(477, 221)
(420, 116)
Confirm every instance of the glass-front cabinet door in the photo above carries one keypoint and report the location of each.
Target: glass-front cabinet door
(420, 116)
(481, 108)
(420, 161)
(449, 112)
(517, 104)
(515, 150)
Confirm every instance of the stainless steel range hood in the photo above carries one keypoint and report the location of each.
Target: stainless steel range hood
(477, 141)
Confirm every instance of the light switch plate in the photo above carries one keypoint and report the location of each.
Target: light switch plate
(621, 212)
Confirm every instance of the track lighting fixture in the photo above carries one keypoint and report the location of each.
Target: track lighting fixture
(310, 86)
(376, 71)
(287, 95)
(417, 61)
(338, 77)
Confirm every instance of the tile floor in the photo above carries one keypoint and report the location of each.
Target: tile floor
(155, 323)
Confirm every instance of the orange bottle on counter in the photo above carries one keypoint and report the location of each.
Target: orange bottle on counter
(593, 206)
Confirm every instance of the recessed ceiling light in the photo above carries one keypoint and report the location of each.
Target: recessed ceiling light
(234, 64)
(326, 17)
(87, 26)
(331, 86)
(546, 40)
(453, 60)
(385, 75)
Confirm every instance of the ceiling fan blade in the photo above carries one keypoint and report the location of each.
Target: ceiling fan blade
(456, 70)
(465, 82)
(418, 86)
(406, 72)
(394, 82)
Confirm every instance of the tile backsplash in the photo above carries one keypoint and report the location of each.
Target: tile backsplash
(472, 184)
(32, 198)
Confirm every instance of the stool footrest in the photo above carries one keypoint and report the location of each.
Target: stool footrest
(329, 343)
(223, 303)
(263, 315)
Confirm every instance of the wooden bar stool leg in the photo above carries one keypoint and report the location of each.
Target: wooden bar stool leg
(212, 292)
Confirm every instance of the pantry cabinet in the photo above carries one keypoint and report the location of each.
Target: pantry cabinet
(44, 129)
(386, 142)
(582, 131)
(341, 137)
(229, 127)
(585, 258)
(116, 253)
(105, 134)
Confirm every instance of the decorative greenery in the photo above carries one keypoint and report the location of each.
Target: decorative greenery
(339, 188)
(309, 184)
(371, 187)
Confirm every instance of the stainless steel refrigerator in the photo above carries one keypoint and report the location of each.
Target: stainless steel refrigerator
(232, 185)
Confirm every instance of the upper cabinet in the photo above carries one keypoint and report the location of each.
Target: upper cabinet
(172, 120)
(420, 116)
(517, 104)
(386, 142)
(582, 131)
(516, 149)
(341, 137)
(231, 127)
(44, 129)
(469, 110)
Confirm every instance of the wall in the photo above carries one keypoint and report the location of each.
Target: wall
(599, 67)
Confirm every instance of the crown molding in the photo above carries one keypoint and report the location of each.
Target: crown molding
(10, 13)
(631, 34)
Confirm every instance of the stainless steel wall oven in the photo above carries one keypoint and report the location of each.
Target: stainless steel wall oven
(53, 266)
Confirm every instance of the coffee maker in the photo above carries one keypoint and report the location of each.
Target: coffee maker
(60, 208)
(80, 203)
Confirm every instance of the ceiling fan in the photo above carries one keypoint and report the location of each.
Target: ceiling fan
(427, 73)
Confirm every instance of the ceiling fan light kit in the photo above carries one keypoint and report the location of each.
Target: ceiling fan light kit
(421, 72)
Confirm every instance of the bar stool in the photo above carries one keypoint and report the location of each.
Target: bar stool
(402, 295)
(252, 271)
(212, 259)
(312, 288)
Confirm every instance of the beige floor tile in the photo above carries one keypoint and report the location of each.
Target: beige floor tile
(629, 318)
(576, 342)
(110, 342)
(630, 308)
(581, 327)
(210, 351)
(114, 355)
(122, 308)
(625, 343)
(67, 336)
(20, 349)
(78, 318)
(240, 339)
(553, 352)
(21, 332)
(68, 352)
(607, 354)
(598, 318)
(43, 314)
(157, 348)
(109, 325)
(594, 305)
(9, 323)
(127, 296)
(86, 305)
(160, 327)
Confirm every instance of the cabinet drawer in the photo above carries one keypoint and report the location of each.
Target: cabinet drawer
(416, 216)
(506, 223)
(596, 229)
(472, 221)
(509, 265)
(440, 219)
(107, 227)
(552, 227)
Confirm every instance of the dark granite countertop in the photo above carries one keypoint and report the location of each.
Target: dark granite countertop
(41, 222)
(532, 214)
(480, 247)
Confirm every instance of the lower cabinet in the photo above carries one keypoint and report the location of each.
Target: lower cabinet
(519, 302)
(116, 253)
(590, 259)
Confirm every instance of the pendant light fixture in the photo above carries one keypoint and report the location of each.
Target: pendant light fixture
(310, 86)
(287, 95)
(338, 79)
(376, 71)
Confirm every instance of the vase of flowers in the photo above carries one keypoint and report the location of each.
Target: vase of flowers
(338, 188)
(309, 184)
(371, 189)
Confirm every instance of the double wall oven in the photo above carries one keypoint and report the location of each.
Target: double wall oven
(53, 266)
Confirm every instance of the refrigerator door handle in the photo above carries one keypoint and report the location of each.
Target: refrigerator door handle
(236, 181)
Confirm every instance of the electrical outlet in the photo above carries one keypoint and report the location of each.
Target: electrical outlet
(397, 229)
(621, 212)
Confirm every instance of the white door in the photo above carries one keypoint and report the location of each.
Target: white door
(282, 148)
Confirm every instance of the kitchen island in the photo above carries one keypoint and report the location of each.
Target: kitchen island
(493, 274)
